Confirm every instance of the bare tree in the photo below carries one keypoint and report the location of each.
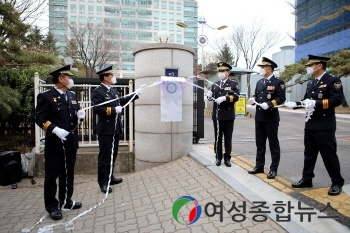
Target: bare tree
(253, 40)
(29, 10)
(96, 46)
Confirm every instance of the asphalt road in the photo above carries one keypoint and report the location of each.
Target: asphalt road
(291, 135)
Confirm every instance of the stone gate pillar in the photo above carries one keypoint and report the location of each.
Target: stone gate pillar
(159, 142)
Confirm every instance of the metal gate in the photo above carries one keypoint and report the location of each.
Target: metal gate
(198, 111)
(87, 129)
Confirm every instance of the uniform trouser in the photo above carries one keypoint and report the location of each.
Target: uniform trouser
(104, 157)
(322, 141)
(58, 164)
(263, 131)
(225, 129)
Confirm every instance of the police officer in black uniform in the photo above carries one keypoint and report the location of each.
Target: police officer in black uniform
(269, 92)
(225, 93)
(323, 94)
(57, 113)
(108, 127)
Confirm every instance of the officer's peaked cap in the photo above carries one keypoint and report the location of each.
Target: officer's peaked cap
(106, 70)
(65, 70)
(267, 62)
(312, 59)
(223, 66)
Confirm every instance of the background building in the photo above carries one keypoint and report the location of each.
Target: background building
(322, 27)
(131, 22)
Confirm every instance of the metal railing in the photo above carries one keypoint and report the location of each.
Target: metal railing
(87, 128)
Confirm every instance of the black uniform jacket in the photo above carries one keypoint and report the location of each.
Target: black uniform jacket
(226, 109)
(106, 113)
(328, 94)
(53, 110)
(273, 93)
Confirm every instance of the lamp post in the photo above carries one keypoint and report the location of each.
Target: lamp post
(202, 39)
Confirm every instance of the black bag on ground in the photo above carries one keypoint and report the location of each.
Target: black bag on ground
(10, 167)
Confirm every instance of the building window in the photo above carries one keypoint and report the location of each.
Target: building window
(114, 2)
(155, 25)
(145, 2)
(128, 2)
(145, 13)
(128, 57)
(178, 6)
(128, 35)
(82, 20)
(156, 3)
(171, 5)
(128, 13)
(171, 27)
(81, 9)
(164, 28)
(179, 17)
(164, 15)
(111, 10)
(99, 10)
(145, 25)
(145, 35)
(163, 4)
(178, 38)
(73, 8)
(91, 9)
(73, 19)
(128, 24)
(128, 67)
(156, 14)
(171, 15)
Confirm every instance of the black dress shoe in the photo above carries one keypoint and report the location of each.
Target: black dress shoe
(228, 163)
(218, 163)
(55, 215)
(271, 175)
(116, 181)
(256, 171)
(77, 205)
(302, 184)
(104, 189)
(335, 190)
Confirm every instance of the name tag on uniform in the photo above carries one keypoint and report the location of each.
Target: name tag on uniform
(270, 88)
(74, 102)
(322, 86)
(227, 88)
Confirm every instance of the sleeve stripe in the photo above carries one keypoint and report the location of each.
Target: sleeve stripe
(46, 125)
(108, 111)
(231, 98)
(325, 104)
(274, 102)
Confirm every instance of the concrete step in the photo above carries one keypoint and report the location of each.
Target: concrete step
(86, 162)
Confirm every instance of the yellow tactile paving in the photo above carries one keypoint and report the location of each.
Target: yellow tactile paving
(340, 202)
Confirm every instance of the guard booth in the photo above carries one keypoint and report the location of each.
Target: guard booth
(198, 111)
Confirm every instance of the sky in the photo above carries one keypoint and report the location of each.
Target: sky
(276, 14)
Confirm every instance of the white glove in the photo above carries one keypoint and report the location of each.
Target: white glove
(81, 114)
(61, 133)
(264, 106)
(251, 101)
(310, 103)
(209, 94)
(138, 91)
(290, 104)
(220, 99)
(118, 109)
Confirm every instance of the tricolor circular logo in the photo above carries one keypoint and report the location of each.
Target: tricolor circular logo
(194, 214)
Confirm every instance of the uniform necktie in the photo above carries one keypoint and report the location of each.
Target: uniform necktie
(265, 81)
(64, 95)
(315, 82)
(222, 84)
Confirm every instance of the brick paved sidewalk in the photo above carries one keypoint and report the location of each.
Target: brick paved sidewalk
(142, 203)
